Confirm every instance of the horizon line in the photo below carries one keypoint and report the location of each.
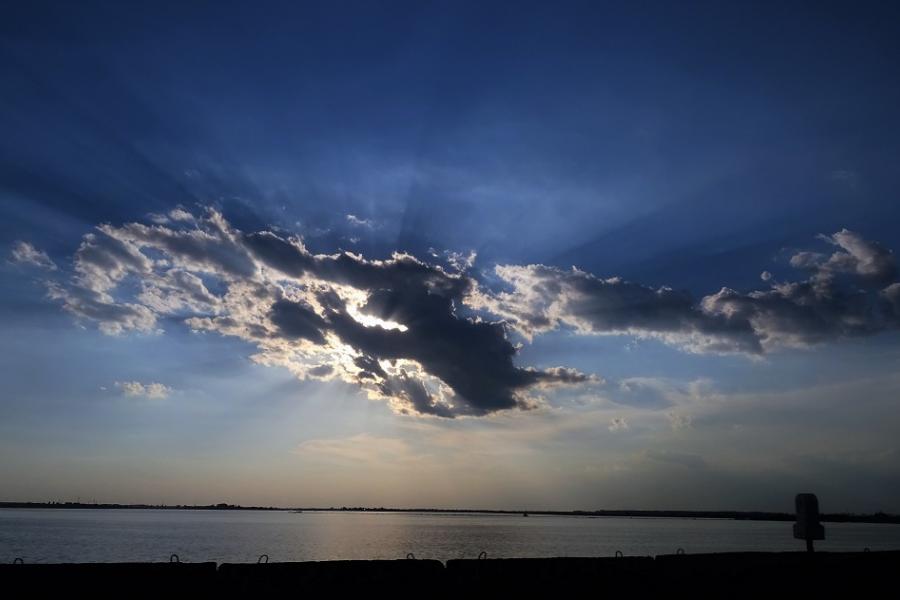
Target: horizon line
(878, 516)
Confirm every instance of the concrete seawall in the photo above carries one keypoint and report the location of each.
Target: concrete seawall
(733, 574)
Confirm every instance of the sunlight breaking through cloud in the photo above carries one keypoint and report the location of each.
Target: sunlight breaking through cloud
(431, 340)
(390, 326)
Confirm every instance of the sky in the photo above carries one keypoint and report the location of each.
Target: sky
(451, 254)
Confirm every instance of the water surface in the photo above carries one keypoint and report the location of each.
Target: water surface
(97, 535)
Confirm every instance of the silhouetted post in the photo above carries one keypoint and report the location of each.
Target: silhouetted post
(807, 526)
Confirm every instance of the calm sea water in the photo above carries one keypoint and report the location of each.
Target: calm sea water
(241, 536)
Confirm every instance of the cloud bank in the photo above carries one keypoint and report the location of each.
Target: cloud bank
(851, 292)
(431, 340)
(395, 326)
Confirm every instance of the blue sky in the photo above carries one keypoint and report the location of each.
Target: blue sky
(206, 341)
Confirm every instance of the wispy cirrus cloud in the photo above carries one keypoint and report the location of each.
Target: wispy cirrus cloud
(25, 253)
(355, 221)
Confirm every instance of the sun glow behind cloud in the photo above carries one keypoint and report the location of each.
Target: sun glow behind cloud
(707, 345)
(432, 339)
(373, 321)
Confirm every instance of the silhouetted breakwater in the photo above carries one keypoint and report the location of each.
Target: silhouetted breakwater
(731, 574)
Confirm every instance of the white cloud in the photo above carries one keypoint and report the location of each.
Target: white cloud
(26, 254)
(357, 222)
(145, 390)
(112, 318)
(179, 214)
(175, 215)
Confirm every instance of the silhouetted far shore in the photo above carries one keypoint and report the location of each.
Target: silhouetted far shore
(878, 517)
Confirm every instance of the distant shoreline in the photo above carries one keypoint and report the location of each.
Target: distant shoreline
(677, 514)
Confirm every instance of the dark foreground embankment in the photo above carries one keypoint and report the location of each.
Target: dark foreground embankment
(729, 574)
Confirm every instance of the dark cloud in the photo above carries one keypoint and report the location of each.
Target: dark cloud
(301, 309)
(862, 257)
(544, 298)
(295, 320)
(843, 296)
(803, 313)
(290, 256)
(369, 367)
(287, 256)
(323, 371)
(474, 358)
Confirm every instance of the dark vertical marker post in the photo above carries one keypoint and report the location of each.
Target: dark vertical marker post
(807, 526)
